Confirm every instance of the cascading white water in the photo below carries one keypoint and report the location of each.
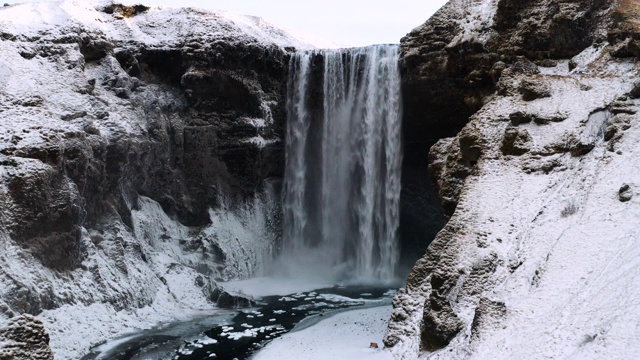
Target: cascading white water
(343, 158)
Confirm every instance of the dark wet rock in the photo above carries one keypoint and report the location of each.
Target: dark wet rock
(95, 49)
(615, 129)
(625, 193)
(553, 118)
(185, 124)
(448, 169)
(226, 300)
(548, 63)
(471, 145)
(581, 147)
(443, 69)
(624, 32)
(522, 65)
(635, 92)
(623, 106)
(522, 117)
(544, 164)
(45, 213)
(497, 69)
(421, 214)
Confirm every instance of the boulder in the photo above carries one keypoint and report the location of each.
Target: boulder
(24, 338)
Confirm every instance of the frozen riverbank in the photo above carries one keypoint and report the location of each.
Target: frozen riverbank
(239, 334)
(346, 335)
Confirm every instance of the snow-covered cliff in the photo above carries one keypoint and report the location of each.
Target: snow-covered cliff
(140, 161)
(540, 256)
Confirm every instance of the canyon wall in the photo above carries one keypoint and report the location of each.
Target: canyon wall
(535, 108)
(141, 156)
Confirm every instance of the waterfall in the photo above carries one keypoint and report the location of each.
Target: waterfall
(343, 158)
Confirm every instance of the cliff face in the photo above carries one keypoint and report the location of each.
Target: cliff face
(134, 145)
(539, 257)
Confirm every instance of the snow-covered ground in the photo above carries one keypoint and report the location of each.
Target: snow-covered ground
(31, 18)
(344, 336)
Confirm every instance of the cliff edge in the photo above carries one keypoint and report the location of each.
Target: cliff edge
(537, 105)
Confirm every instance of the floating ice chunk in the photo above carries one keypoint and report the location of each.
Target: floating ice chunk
(208, 341)
(390, 292)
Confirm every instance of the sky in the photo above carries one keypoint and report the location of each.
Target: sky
(344, 22)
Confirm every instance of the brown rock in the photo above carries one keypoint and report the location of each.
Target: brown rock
(515, 142)
(26, 339)
(532, 89)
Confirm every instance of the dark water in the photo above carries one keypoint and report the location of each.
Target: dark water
(239, 334)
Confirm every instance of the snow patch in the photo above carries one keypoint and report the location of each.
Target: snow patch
(477, 21)
(346, 335)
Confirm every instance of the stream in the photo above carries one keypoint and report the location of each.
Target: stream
(238, 334)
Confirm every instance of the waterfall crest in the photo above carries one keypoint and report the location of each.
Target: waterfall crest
(343, 160)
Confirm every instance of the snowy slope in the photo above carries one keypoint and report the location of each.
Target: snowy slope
(154, 26)
(540, 258)
(346, 335)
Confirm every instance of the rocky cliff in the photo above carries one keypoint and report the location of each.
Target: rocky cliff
(140, 160)
(535, 105)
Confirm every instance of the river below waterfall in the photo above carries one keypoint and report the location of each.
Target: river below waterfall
(238, 334)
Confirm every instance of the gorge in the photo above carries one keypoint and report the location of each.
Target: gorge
(149, 155)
